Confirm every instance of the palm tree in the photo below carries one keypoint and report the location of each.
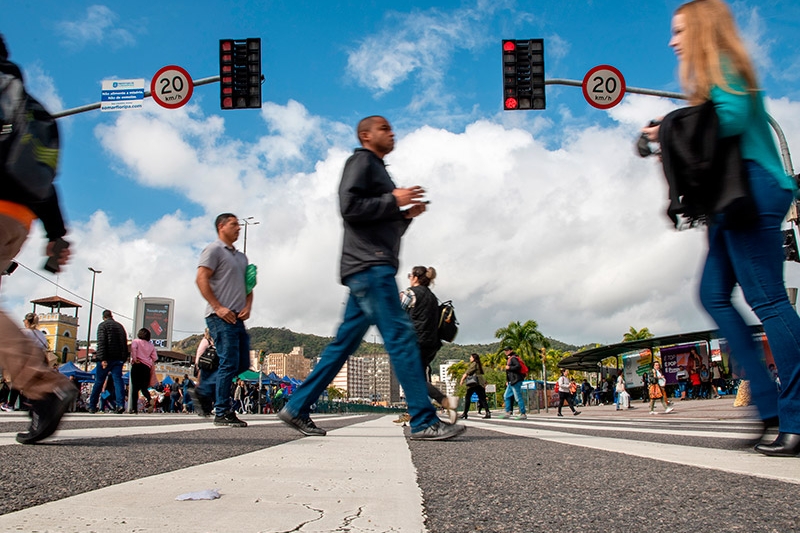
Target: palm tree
(525, 339)
(633, 335)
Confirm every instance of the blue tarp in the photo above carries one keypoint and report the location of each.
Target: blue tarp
(71, 369)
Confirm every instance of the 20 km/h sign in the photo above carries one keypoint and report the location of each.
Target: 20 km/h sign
(171, 87)
(603, 87)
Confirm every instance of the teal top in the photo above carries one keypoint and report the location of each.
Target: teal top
(743, 113)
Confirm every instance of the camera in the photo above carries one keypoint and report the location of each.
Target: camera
(644, 146)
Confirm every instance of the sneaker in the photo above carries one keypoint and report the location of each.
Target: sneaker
(523, 416)
(7, 408)
(450, 404)
(402, 419)
(306, 426)
(119, 410)
(205, 406)
(439, 431)
(46, 415)
(652, 412)
(668, 410)
(229, 419)
(576, 413)
(504, 415)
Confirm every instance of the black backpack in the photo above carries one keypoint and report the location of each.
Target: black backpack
(28, 140)
(448, 325)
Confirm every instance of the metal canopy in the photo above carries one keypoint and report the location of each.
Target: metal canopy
(589, 360)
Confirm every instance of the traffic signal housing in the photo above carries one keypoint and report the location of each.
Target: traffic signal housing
(240, 73)
(790, 251)
(523, 74)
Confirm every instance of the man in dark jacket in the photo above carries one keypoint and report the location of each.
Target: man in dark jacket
(514, 379)
(21, 360)
(374, 223)
(112, 352)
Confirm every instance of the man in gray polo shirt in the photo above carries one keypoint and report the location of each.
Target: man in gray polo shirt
(221, 280)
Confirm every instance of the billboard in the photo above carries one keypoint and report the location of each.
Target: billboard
(155, 315)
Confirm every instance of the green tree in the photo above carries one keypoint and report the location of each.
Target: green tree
(634, 335)
(526, 340)
(335, 393)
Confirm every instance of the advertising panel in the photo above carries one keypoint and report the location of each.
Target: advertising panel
(155, 315)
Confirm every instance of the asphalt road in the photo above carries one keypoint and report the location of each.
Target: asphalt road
(688, 471)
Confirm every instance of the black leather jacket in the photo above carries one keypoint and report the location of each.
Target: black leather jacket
(706, 175)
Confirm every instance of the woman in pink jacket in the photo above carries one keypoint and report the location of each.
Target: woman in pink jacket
(143, 357)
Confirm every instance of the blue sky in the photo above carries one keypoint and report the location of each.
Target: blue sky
(535, 215)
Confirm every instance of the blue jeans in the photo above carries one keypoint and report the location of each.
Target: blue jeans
(514, 391)
(754, 259)
(115, 368)
(373, 300)
(233, 348)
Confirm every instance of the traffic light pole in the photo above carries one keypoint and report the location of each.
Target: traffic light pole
(147, 94)
(784, 146)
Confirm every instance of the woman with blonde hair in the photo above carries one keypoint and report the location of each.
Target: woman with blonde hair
(714, 66)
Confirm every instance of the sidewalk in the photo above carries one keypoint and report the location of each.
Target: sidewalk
(719, 409)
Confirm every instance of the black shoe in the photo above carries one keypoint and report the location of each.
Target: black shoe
(559, 414)
(119, 410)
(92, 411)
(46, 414)
(229, 419)
(464, 416)
(786, 445)
(439, 431)
(306, 426)
(576, 413)
(487, 415)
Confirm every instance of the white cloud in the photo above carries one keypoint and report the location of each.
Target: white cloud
(419, 44)
(98, 26)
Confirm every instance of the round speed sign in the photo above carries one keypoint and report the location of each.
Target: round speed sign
(171, 87)
(603, 87)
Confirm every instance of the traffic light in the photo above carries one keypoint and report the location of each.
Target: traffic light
(240, 73)
(523, 74)
(790, 251)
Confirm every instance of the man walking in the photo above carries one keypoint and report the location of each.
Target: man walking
(514, 379)
(374, 224)
(22, 362)
(112, 352)
(221, 280)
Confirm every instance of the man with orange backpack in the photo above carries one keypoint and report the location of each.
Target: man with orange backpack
(516, 372)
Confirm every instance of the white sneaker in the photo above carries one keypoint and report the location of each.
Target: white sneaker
(652, 412)
(669, 410)
(450, 404)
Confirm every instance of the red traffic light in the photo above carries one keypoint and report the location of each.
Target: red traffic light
(509, 46)
(511, 103)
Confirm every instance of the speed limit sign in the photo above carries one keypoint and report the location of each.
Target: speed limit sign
(603, 87)
(171, 87)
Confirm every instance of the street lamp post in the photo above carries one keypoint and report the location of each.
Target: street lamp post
(89, 326)
(247, 222)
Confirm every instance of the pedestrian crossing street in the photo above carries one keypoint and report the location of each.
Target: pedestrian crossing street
(338, 481)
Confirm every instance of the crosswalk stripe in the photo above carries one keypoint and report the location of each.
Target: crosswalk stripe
(736, 461)
(358, 478)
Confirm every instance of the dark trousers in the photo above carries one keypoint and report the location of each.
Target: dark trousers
(140, 381)
(481, 392)
(565, 396)
(427, 353)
